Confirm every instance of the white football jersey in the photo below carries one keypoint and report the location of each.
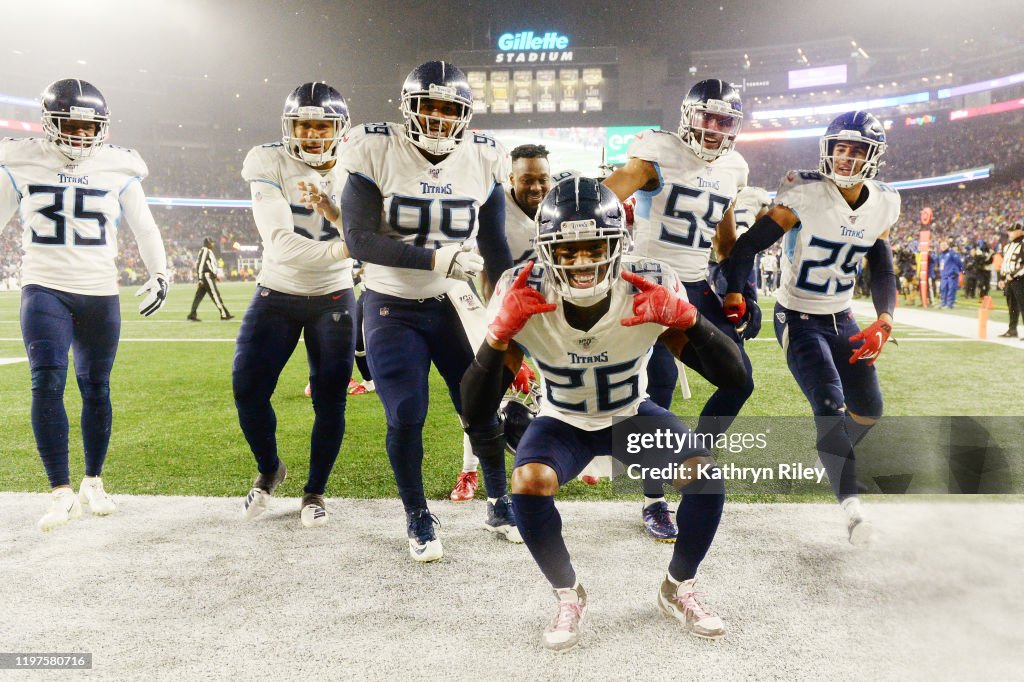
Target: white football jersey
(749, 203)
(292, 264)
(821, 254)
(519, 230)
(589, 378)
(424, 205)
(675, 223)
(71, 211)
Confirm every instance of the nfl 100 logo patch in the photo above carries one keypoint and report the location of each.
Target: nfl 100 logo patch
(434, 172)
(586, 342)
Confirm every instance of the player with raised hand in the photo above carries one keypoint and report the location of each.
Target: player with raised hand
(73, 191)
(418, 195)
(685, 185)
(303, 289)
(830, 220)
(589, 316)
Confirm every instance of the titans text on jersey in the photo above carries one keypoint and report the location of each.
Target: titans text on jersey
(71, 211)
(820, 256)
(425, 205)
(676, 222)
(588, 378)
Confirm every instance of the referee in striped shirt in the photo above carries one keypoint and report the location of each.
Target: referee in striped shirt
(206, 276)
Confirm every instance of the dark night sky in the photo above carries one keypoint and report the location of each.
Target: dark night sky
(366, 48)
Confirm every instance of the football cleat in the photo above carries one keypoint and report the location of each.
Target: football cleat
(658, 522)
(563, 633)
(501, 519)
(423, 543)
(94, 498)
(361, 389)
(859, 530)
(680, 602)
(193, 318)
(465, 487)
(314, 511)
(308, 391)
(64, 506)
(263, 487)
(590, 480)
(352, 383)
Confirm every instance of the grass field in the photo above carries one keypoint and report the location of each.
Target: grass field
(176, 432)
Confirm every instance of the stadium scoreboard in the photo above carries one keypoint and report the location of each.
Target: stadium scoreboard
(538, 72)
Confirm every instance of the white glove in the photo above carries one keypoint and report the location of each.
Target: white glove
(457, 261)
(156, 287)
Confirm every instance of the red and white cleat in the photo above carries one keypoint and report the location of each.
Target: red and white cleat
(680, 602)
(465, 487)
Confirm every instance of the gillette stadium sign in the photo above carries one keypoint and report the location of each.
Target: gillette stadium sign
(529, 47)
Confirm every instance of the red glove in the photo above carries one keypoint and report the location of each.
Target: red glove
(520, 304)
(657, 304)
(523, 379)
(735, 310)
(874, 337)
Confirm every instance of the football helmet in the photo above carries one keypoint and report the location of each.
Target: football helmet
(314, 102)
(711, 102)
(71, 99)
(580, 209)
(517, 412)
(441, 81)
(853, 126)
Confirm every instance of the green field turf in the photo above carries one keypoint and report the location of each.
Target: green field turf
(176, 432)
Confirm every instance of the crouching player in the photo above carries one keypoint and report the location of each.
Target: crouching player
(589, 317)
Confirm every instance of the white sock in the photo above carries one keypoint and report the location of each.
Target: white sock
(492, 500)
(648, 501)
(672, 580)
(851, 505)
(469, 460)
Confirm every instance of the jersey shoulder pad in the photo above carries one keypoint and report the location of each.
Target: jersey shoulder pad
(125, 160)
(654, 270)
(492, 154)
(651, 145)
(795, 179)
(893, 201)
(366, 146)
(263, 162)
(22, 150)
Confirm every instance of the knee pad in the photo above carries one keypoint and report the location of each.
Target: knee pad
(827, 401)
(487, 440)
(49, 381)
(93, 391)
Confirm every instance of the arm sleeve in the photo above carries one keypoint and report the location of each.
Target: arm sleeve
(361, 206)
(714, 355)
(883, 277)
(273, 216)
(491, 238)
(147, 235)
(484, 383)
(763, 234)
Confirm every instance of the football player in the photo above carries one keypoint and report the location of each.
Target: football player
(417, 195)
(830, 220)
(72, 191)
(528, 182)
(686, 184)
(589, 316)
(304, 288)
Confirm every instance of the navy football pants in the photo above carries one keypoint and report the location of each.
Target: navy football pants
(52, 322)
(268, 336)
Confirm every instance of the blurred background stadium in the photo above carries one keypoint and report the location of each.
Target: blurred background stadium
(193, 86)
